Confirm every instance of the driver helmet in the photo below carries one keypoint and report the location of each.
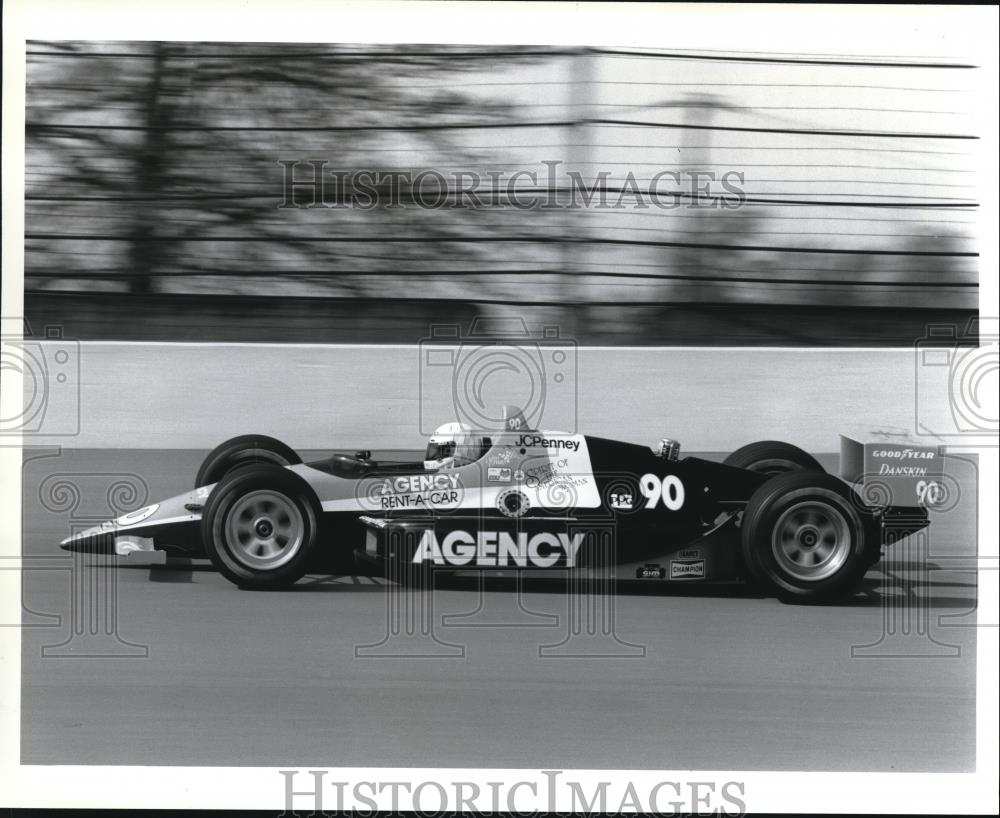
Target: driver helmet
(453, 445)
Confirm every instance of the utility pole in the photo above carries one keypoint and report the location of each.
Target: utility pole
(704, 221)
(582, 69)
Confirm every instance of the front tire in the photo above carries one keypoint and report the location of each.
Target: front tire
(805, 539)
(260, 527)
(773, 457)
(241, 450)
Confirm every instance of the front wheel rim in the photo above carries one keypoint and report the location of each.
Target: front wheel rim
(811, 540)
(264, 530)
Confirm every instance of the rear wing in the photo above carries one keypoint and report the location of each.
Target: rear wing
(893, 473)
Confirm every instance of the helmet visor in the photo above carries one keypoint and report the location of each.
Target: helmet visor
(439, 451)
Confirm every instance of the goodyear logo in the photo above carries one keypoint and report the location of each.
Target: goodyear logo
(903, 462)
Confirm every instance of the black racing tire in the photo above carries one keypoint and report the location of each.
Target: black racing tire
(241, 450)
(772, 457)
(806, 539)
(260, 527)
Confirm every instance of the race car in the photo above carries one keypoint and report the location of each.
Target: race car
(519, 499)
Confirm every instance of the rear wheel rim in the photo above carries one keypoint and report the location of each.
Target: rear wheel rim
(811, 540)
(264, 530)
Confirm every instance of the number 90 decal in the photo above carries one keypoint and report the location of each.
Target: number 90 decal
(668, 489)
(931, 493)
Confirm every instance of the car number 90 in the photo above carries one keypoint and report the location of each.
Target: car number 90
(669, 489)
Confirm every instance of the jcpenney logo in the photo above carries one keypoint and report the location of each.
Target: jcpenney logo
(492, 549)
(549, 442)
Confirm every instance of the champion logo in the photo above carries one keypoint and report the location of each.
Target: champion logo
(687, 569)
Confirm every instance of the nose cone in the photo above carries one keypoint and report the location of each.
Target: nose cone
(148, 521)
(97, 540)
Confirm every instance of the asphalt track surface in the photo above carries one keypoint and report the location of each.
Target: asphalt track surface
(172, 665)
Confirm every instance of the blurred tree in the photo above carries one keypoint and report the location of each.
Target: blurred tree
(151, 164)
(160, 162)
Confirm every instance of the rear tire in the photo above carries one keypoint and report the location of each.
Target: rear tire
(241, 450)
(772, 457)
(805, 539)
(260, 527)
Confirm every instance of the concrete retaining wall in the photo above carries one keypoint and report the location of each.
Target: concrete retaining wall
(189, 395)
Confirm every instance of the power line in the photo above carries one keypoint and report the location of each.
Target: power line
(725, 306)
(857, 63)
(256, 273)
(506, 240)
(418, 197)
(442, 126)
(802, 131)
(459, 126)
(289, 53)
(416, 149)
(658, 230)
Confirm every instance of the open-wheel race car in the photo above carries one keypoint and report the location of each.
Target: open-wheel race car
(520, 499)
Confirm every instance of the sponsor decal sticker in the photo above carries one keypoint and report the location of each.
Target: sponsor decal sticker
(621, 500)
(931, 492)
(900, 462)
(418, 490)
(903, 471)
(513, 503)
(537, 441)
(502, 457)
(687, 569)
(497, 474)
(545, 473)
(137, 516)
(650, 572)
(493, 549)
(905, 454)
(669, 489)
